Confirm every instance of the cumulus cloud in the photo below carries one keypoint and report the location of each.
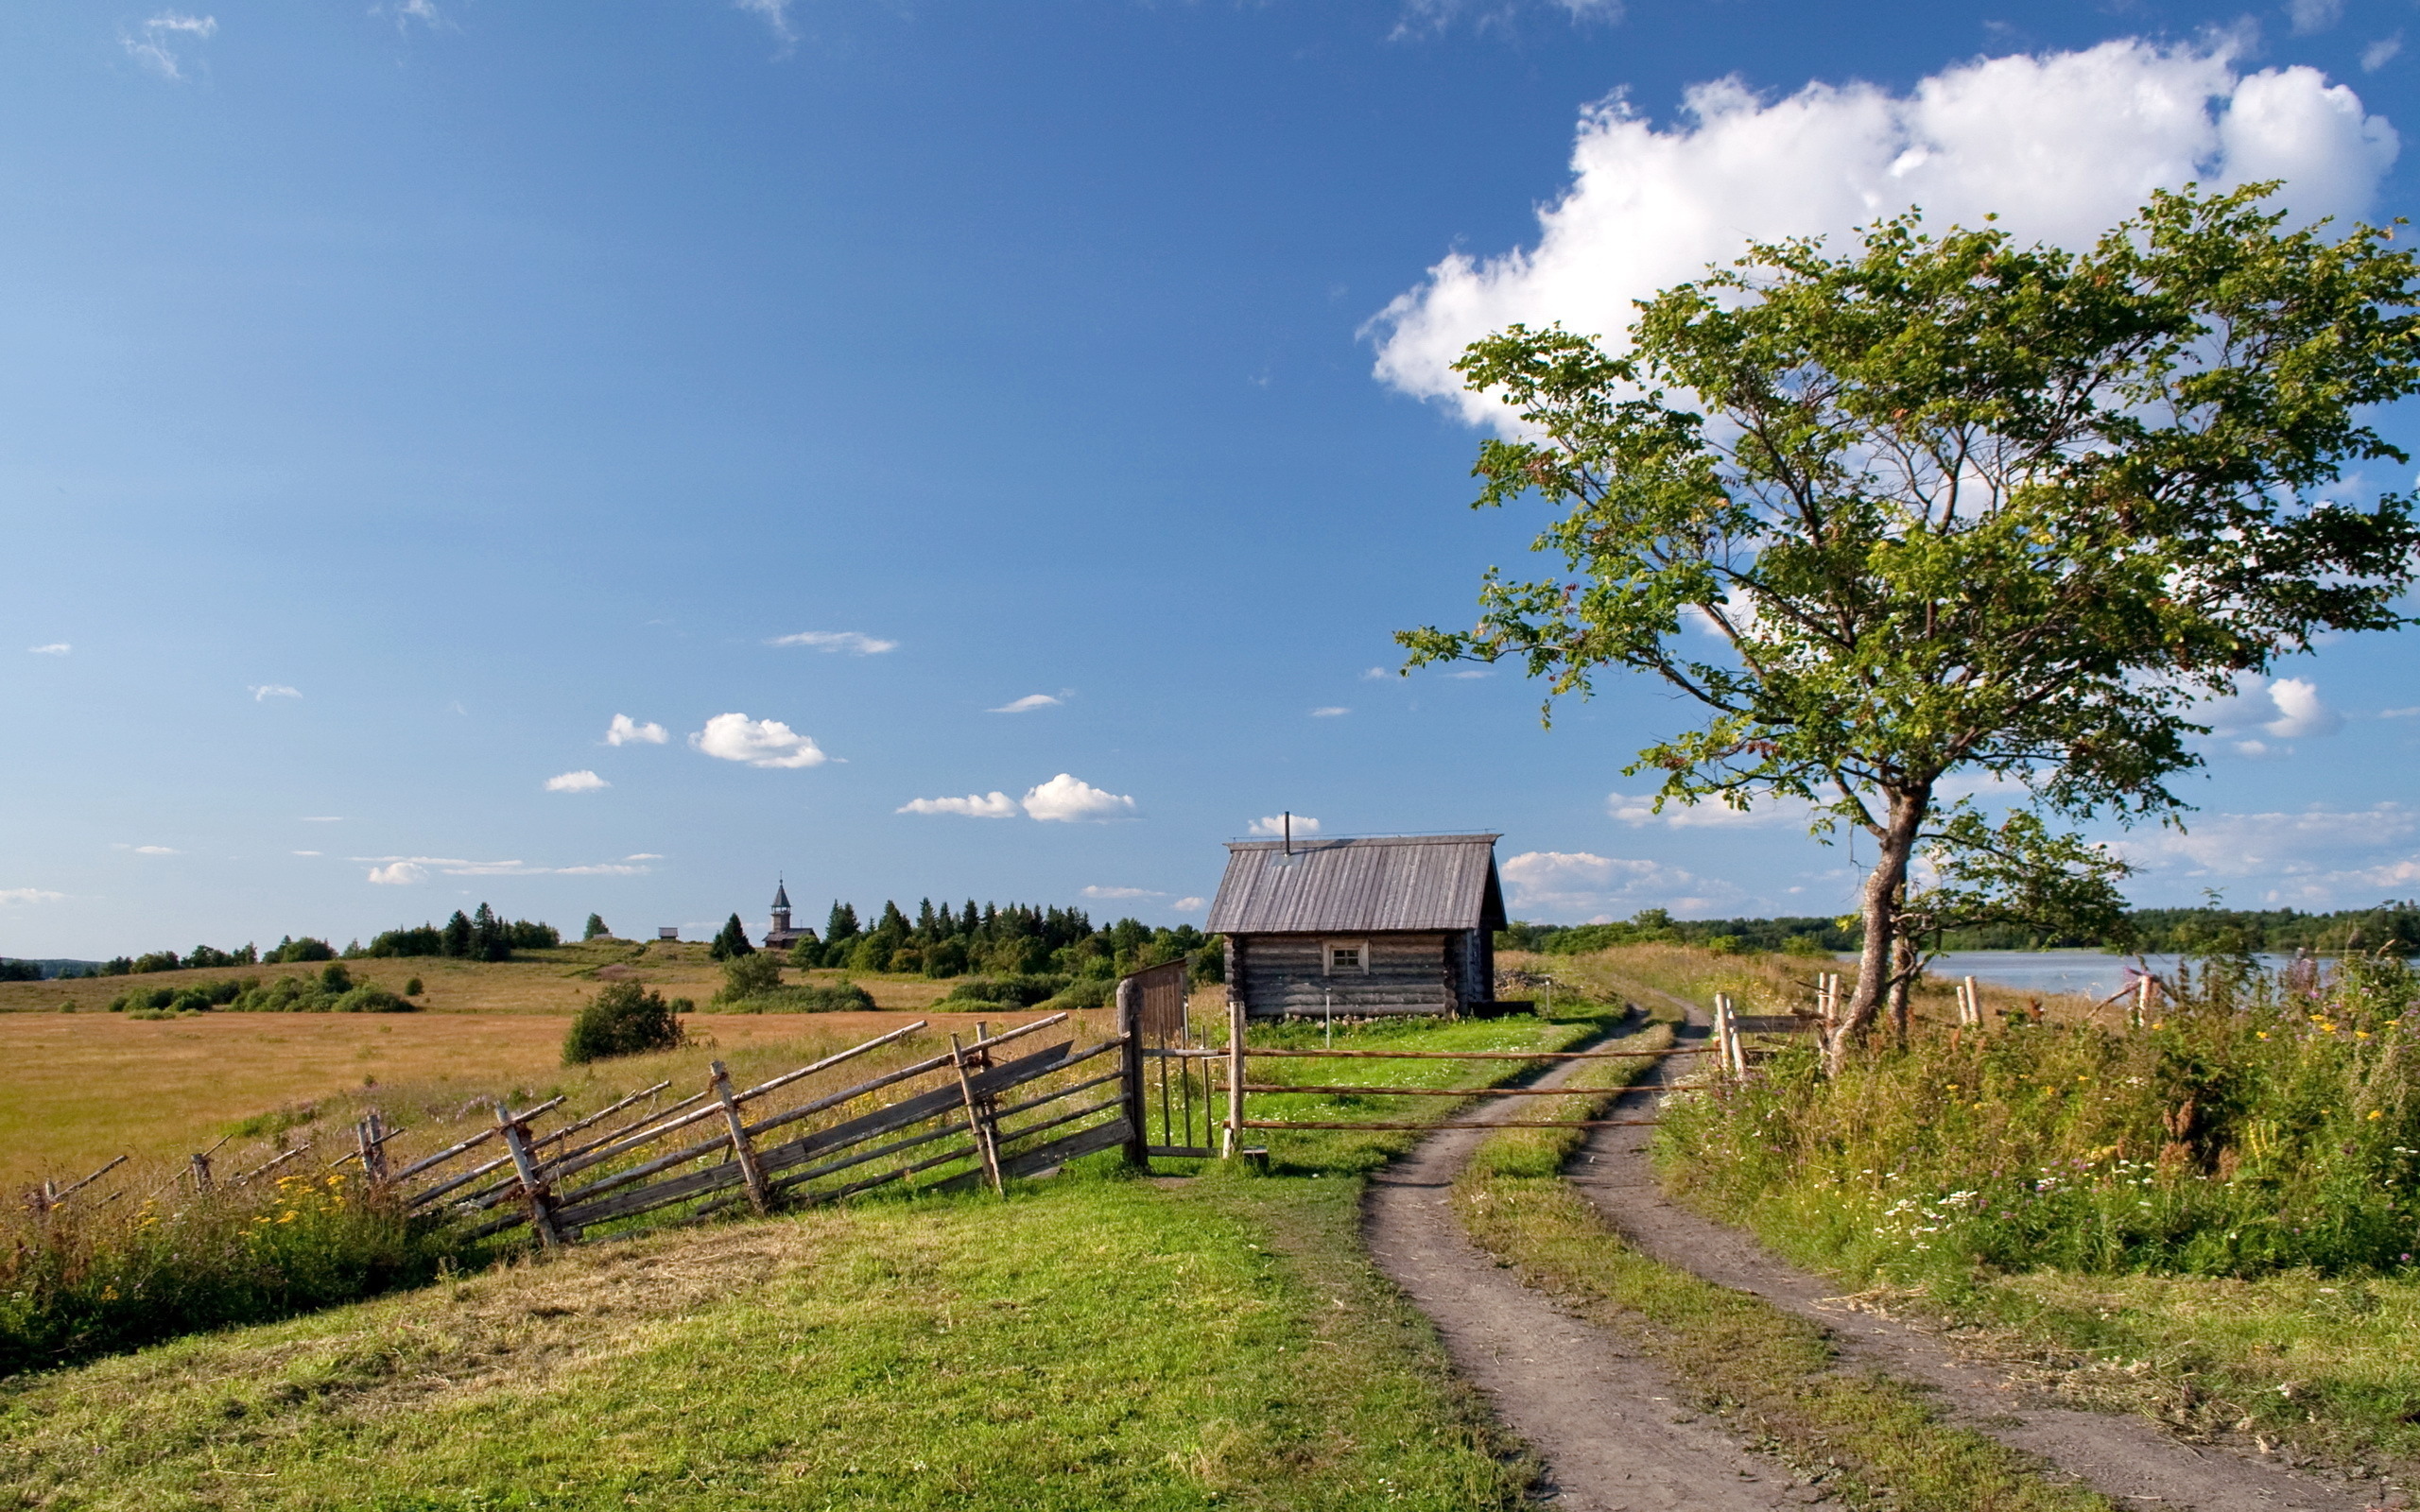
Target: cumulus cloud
(1273, 825)
(579, 782)
(1578, 884)
(2315, 856)
(155, 43)
(54, 649)
(262, 692)
(13, 896)
(849, 640)
(399, 874)
(757, 742)
(1375, 673)
(602, 868)
(1113, 894)
(2381, 53)
(1065, 801)
(1026, 704)
(2278, 708)
(2060, 145)
(458, 866)
(1190, 906)
(1712, 815)
(1331, 712)
(625, 731)
(994, 805)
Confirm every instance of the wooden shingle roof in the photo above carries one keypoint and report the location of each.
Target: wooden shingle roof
(1338, 886)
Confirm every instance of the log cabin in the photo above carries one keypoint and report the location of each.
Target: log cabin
(1380, 926)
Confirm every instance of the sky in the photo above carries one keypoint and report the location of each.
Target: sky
(610, 458)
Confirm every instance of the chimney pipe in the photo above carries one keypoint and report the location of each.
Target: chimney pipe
(1288, 822)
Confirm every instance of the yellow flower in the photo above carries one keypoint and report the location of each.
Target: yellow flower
(288, 1216)
(109, 1294)
(2375, 1114)
(2264, 1033)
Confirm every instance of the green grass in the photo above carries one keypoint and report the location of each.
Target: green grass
(1773, 1376)
(2281, 1177)
(1094, 1340)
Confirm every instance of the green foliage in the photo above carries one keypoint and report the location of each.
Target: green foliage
(2250, 1129)
(626, 1019)
(290, 950)
(748, 976)
(732, 943)
(15, 971)
(1954, 505)
(331, 991)
(836, 997)
(412, 987)
(486, 936)
(1010, 992)
(84, 1280)
(595, 928)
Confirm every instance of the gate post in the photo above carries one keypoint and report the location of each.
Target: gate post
(1130, 1066)
(1232, 1144)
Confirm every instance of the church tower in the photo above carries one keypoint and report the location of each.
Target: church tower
(781, 909)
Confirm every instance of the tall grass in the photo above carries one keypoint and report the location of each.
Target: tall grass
(80, 1282)
(2249, 1128)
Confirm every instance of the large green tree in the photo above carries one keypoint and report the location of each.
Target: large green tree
(1946, 512)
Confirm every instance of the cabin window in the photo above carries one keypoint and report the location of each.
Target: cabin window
(1347, 957)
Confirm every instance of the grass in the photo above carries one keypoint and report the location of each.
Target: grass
(2058, 1222)
(1094, 1342)
(1866, 1437)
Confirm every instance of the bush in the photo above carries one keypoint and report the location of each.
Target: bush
(1016, 992)
(2248, 1128)
(748, 976)
(840, 997)
(373, 1000)
(1083, 992)
(626, 1019)
(424, 939)
(412, 987)
(294, 951)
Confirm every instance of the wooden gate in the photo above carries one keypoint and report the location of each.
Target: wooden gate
(1177, 1096)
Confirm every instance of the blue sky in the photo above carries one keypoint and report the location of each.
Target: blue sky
(396, 394)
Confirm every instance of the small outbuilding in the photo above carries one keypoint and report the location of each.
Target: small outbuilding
(1385, 924)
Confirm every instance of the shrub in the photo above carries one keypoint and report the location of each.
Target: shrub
(366, 999)
(748, 976)
(1015, 991)
(157, 961)
(424, 939)
(334, 979)
(412, 987)
(626, 1019)
(1083, 992)
(840, 997)
(293, 951)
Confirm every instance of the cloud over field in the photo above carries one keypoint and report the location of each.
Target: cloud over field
(1273, 825)
(1572, 885)
(850, 641)
(993, 805)
(758, 742)
(1064, 799)
(2060, 145)
(1028, 704)
(579, 782)
(625, 731)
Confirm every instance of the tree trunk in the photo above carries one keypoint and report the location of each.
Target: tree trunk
(1903, 981)
(1885, 889)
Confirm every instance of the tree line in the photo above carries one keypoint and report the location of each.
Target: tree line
(2392, 926)
(988, 940)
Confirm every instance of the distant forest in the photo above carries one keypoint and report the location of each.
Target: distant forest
(482, 937)
(994, 940)
(2391, 925)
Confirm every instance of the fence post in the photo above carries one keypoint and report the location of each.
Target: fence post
(1129, 1065)
(741, 1150)
(978, 1119)
(533, 1188)
(1232, 1144)
(371, 1134)
(201, 1167)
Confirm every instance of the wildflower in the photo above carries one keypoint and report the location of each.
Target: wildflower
(2375, 1114)
(109, 1294)
(2264, 1033)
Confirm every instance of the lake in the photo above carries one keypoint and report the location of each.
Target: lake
(2090, 974)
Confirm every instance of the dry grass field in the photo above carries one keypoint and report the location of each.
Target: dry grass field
(79, 1086)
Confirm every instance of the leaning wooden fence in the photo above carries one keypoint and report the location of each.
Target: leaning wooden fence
(995, 1116)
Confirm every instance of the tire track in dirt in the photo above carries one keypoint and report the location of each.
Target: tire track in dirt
(2126, 1459)
(1612, 1428)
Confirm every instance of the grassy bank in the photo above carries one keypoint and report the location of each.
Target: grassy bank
(1097, 1342)
(2208, 1220)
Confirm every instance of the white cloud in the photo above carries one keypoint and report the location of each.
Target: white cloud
(2381, 53)
(2313, 15)
(1067, 801)
(1711, 814)
(757, 742)
(1374, 674)
(457, 867)
(2060, 145)
(399, 874)
(849, 640)
(1420, 17)
(995, 805)
(625, 731)
(1580, 884)
(2279, 708)
(54, 649)
(323, 818)
(1190, 906)
(1026, 704)
(579, 782)
(407, 11)
(1275, 824)
(156, 851)
(1121, 893)
(154, 45)
(262, 692)
(2400, 713)
(645, 856)
(1331, 712)
(776, 16)
(11, 896)
(306, 853)
(602, 868)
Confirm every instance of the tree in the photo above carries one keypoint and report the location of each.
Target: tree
(596, 928)
(732, 943)
(1953, 510)
(457, 934)
(626, 1019)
